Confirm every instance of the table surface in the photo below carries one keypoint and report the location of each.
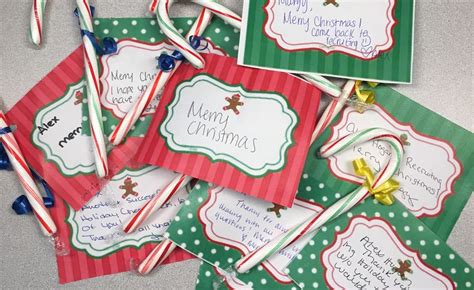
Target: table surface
(442, 81)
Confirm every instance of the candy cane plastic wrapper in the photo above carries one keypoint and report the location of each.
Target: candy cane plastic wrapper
(29, 186)
(93, 90)
(156, 86)
(156, 203)
(36, 21)
(311, 225)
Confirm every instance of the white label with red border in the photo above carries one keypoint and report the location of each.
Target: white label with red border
(368, 254)
(246, 223)
(127, 73)
(359, 28)
(429, 168)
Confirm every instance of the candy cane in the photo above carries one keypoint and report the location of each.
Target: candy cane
(93, 90)
(26, 179)
(152, 6)
(36, 21)
(156, 202)
(156, 257)
(333, 109)
(182, 45)
(235, 20)
(315, 222)
(157, 84)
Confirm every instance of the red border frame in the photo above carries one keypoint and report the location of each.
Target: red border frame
(331, 52)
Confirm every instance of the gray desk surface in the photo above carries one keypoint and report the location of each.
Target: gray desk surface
(443, 82)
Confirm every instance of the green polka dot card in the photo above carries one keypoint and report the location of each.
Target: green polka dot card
(125, 75)
(358, 39)
(219, 226)
(436, 177)
(374, 246)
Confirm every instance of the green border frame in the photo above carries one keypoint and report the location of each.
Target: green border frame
(215, 157)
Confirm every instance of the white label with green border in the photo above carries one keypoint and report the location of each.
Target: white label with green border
(251, 130)
(127, 73)
(58, 133)
(97, 227)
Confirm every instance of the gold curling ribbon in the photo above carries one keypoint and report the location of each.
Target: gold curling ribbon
(384, 192)
(365, 96)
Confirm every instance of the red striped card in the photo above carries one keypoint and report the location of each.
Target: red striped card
(48, 129)
(238, 127)
(77, 265)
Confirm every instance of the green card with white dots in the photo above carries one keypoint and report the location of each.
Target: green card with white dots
(219, 225)
(379, 247)
(436, 176)
(124, 75)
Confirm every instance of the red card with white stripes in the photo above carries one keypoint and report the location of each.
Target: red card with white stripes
(93, 235)
(242, 128)
(48, 122)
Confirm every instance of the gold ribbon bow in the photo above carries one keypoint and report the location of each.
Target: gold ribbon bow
(365, 96)
(384, 192)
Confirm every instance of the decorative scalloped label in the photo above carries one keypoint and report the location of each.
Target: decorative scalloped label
(97, 227)
(127, 73)
(58, 133)
(246, 223)
(368, 254)
(359, 28)
(228, 123)
(429, 168)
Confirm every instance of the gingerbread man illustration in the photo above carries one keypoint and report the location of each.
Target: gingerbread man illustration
(333, 2)
(403, 268)
(79, 97)
(234, 101)
(128, 186)
(276, 209)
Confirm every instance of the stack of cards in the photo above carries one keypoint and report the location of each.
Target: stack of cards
(223, 162)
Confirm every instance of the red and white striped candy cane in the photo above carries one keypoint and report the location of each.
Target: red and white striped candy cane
(235, 20)
(93, 90)
(341, 206)
(26, 180)
(153, 5)
(156, 257)
(36, 21)
(124, 126)
(156, 202)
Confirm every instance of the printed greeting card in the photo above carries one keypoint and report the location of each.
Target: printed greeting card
(127, 73)
(242, 128)
(379, 247)
(359, 39)
(93, 235)
(435, 176)
(48, 121)
(219, 225)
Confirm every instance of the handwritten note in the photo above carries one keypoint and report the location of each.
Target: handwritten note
(224, 122)
(127, 74)
(246, 223)
(359, 28)
(429, 168)
(369, 254)
(97, 227)
(57, 132)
